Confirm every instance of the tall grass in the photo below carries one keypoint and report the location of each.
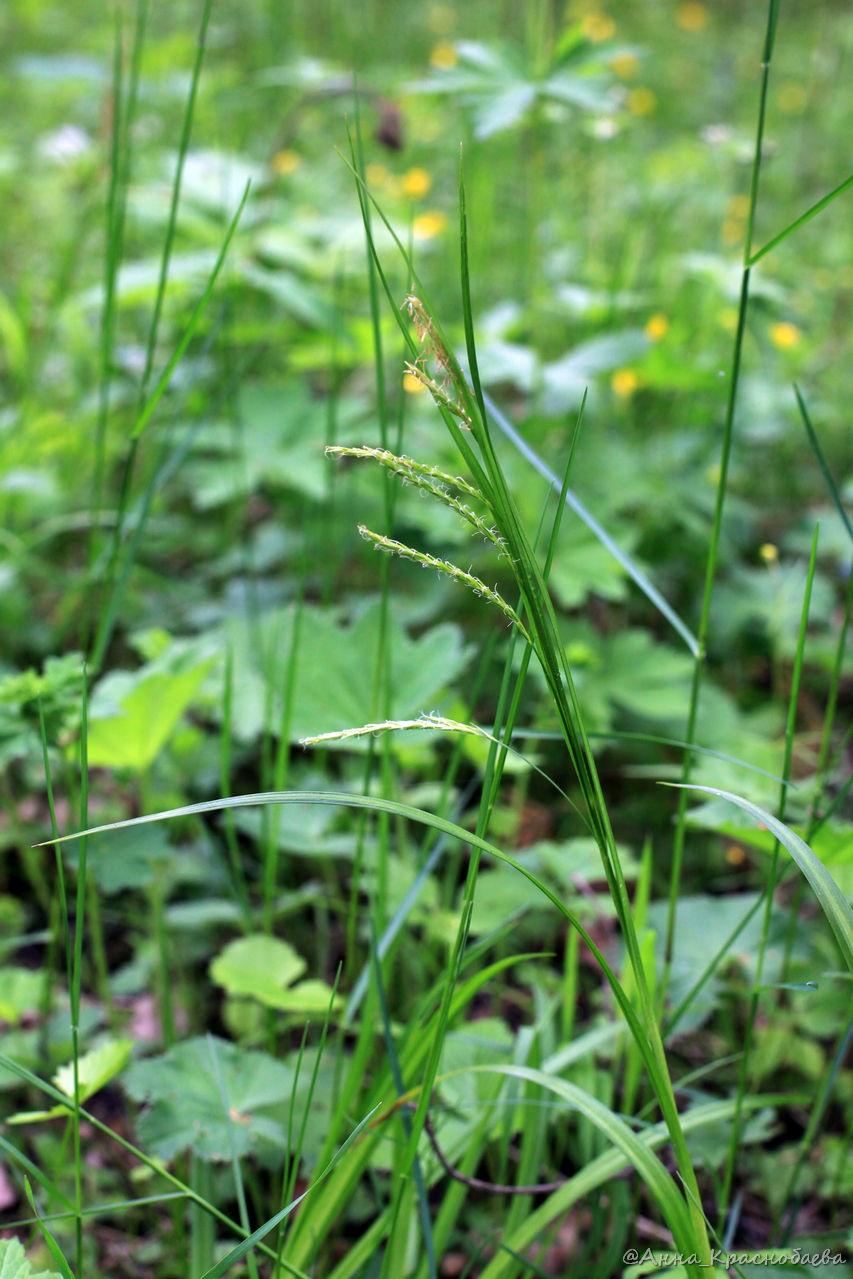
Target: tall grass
(388, 1091)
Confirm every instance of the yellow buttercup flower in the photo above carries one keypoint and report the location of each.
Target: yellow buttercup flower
(284, 163)
(415, 183)
(641, 101)
(738, 206)
(412, 385)
(769, 553)
(427, 225)
(443, 56)
(692, 16)
(732, 231)
(784, 335)
(624, 383)
(597, 27)
(656, 327)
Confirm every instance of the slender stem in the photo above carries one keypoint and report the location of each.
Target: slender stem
(713, 547)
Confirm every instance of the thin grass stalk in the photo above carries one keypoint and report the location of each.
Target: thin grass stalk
(555, 666)
(381, 694)
(749, 1029)
(716, 527)
(202, 1236)
(295, 1147)
(239, 1188)
(790, 1201)
(76, 975)
(120, 566)
(155, 1166)
(397, 1076)
(62, 897)
(235, 862)
(121, 152)
(280, 763)
(154, 325)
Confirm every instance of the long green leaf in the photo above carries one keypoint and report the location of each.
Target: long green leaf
(810, 213)
(661, 1185)
(832, 901)
(623, 559)
(237, 1254)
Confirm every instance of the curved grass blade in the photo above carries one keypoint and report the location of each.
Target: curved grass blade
(622, 558)
(538, 735)
(147, 410)
(810, 213)
(52, 1246)
(662, 1187)
(237, 1254)
(348, 800)
(601, 1170)
(821, 461)
(35, 1081)
(832, 901)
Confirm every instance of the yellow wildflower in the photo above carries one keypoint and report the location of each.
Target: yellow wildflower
(728, 319)
(284, 163)
(625, 65)
(641, 101)
(656, 327)
(428, 225)
(377, 175)
(624, 383)
(692, 16)
(444, 56)
(732, 231)
(784, 335)
(412, 385)
(598, 27)
(415, 183)
(769, 553)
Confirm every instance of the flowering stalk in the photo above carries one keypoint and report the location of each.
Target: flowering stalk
(430, 480)
(393, 547)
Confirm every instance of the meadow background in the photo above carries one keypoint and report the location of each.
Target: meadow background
(265, 1000)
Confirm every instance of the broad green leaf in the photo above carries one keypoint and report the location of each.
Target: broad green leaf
(631, 671)
(281, 448)
(584, 566)
(14, 1263)
(333, 679)
(94, 1069)
(128, 859)
(265, 968)
(184, 1103)
(832, 901)
(21, 991)
(133, 714)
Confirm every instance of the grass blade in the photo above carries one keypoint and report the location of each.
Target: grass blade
(810, 213)
(623, 559)
(832, 901)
